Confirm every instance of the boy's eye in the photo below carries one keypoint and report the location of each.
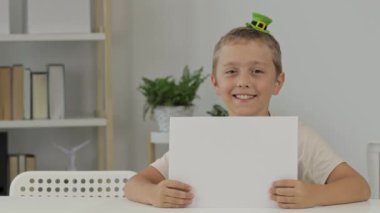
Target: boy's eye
(230, 71)
(258, 71)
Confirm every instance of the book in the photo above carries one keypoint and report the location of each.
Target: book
(3, 163)
(5, 94)
(4, 17)
(56, 75)
(58, 16)
(18, 92)
(39, 95)
(27, 94)
(13, 168)
(19, 163)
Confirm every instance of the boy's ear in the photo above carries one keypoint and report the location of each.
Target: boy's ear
(214, 84)
(279, 82)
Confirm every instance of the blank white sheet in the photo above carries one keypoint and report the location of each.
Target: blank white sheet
(232, 161)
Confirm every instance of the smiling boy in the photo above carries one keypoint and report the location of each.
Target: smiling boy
(247, 72)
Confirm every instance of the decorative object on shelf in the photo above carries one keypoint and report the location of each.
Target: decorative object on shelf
(18, 92)
(217, 110)
(4, 17)
(5, 93)
(19, 163)
(3, 163)
(70, 153)
(39, 97)
(27, 94)
(56, 75)
(163, 94)
(58, 16)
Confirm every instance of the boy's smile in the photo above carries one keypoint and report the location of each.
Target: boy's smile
(245, 78)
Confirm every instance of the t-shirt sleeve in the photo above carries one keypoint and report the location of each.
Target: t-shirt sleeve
(162, 165)
(316, 160)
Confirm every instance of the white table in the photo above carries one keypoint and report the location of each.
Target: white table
(116, 205)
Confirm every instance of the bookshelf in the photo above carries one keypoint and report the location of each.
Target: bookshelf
(53, 37)
(79, 122)
(102, 120)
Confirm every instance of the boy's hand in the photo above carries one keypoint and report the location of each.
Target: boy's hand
(172, 194)
(293, 194)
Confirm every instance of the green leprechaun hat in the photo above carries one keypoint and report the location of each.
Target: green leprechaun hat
(259, 22)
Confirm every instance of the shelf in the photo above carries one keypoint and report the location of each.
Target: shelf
(53, 37)
(84, 122)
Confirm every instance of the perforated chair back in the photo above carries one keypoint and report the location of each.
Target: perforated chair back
(373, 167)
(70, 183)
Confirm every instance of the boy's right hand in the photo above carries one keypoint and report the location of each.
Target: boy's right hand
(172, 194)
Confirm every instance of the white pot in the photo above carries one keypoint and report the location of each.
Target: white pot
(162, 115)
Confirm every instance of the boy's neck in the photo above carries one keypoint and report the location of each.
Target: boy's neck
(267, 114)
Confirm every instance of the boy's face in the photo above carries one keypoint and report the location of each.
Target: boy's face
(245, 78)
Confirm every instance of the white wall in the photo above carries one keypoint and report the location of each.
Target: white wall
(330, 57)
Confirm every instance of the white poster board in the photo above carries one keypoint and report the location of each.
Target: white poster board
(232, 161)
(58, 16)
(4, 17)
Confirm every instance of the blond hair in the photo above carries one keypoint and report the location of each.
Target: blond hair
(245, 34)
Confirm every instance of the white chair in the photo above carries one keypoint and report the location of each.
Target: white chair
(70, 183)
(373, 166)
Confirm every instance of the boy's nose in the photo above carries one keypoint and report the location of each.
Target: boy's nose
(242, 85)
(243, 82)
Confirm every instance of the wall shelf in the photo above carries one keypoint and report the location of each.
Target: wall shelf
(80, 122)
(53, 37)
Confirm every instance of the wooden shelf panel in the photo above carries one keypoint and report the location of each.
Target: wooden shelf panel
(82, 122)
(53, 37)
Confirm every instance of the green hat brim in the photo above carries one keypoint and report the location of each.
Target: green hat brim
(256, 28)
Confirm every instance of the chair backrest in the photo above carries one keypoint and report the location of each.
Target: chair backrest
(70, 183)
(373, 166)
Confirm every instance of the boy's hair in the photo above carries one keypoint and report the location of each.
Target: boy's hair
(246, 34)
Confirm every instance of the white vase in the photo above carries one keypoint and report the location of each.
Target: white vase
(162, 115)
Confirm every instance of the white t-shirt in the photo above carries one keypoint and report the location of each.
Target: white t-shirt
(315, 159)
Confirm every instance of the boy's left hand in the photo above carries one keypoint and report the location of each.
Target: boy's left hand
(293, 194)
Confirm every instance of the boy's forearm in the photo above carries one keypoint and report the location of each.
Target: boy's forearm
(139, 189)
(346, 190)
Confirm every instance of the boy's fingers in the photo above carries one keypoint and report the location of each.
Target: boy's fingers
(284, 191)
(178, 185)
(287, 205)
(285, 199)
(178, 194)
(170, 205)
(177, 201)
(284, 183)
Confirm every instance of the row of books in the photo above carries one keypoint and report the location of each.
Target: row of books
(48, 16)
(12, 164)
(27, 94)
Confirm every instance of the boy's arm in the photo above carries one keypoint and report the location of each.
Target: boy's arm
(344, 185)
(150, 187)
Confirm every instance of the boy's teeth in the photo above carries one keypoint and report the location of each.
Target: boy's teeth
(244, 97)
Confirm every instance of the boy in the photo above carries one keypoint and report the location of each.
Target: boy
(247, 71)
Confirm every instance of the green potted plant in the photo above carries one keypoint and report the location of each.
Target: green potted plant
(217, 110)
(166, 98)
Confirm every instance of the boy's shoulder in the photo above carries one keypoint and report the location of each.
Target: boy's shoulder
(304, 128)
(307, 135)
